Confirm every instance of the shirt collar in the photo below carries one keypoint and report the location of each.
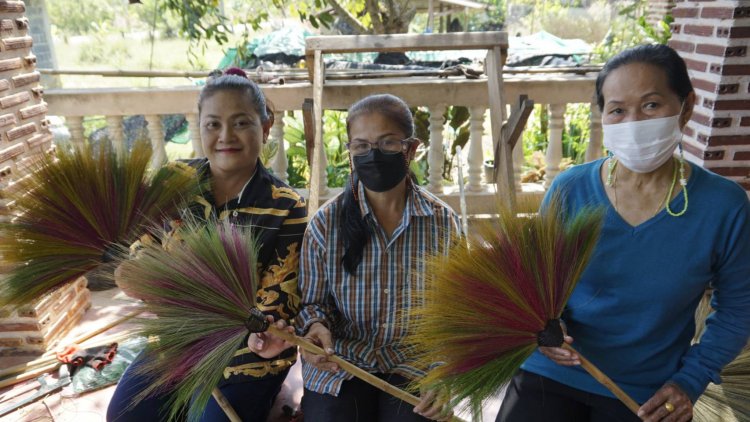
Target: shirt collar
(416, 203)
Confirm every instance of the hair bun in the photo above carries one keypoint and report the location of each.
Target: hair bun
(236, 71)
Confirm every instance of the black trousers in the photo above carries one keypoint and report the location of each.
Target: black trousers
(534, 398)
(251, 400)
(358, 401)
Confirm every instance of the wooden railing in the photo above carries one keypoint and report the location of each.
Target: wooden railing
(556, 91)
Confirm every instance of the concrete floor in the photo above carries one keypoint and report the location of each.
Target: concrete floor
(108, 306)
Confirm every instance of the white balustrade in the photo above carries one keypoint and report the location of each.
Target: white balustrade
(156, 133)
(195, 134)
(594, 149)
(116, 134)
(436, 153)
(435, 94)
(476, 153)
(75, 127)
(554, 147)
(279, 165)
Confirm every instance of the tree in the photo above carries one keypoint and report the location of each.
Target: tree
(203, 20)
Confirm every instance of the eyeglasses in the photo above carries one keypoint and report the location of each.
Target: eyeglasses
(386, 146)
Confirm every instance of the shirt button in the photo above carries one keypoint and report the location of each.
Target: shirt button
(386, 291)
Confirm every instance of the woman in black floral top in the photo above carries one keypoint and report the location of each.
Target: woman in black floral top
(235, 123)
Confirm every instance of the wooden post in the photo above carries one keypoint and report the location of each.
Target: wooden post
(504, 151)
(317, 172)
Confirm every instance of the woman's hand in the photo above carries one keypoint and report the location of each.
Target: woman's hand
(320, 335)
(669, 404)
(560, 355)
(267, 345)
(433, 406)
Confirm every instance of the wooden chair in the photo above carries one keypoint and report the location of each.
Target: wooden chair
(496, 44)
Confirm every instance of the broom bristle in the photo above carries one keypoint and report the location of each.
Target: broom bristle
(730, 401)
(489, 298)
(201, 290)
(75, 206)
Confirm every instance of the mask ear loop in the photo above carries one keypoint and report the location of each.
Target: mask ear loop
(407, 161)
(683, 179)
(351, 179)
(611, 167)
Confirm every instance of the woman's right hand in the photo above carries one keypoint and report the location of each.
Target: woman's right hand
(321, 336)
(560, 355)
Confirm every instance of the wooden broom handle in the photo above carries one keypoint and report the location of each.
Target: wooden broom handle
(225, 406)
(605, 380)
(350, 368)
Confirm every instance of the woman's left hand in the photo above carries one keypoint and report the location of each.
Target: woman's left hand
(669, 404)
(267, 345)
(433, 406)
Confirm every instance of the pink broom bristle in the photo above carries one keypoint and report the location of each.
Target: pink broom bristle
(486, 303)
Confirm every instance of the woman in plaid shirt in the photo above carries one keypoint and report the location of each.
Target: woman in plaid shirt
(362, 267)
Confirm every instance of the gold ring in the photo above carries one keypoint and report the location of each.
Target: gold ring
(669, 406)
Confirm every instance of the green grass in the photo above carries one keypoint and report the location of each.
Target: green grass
(113, 52)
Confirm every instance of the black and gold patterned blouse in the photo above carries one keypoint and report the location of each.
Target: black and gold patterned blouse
(278, 216)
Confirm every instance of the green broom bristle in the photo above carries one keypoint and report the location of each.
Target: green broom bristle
(201, 290)
(487, 300)
(75, 207)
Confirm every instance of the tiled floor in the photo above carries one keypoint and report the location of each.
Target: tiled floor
(108, 306)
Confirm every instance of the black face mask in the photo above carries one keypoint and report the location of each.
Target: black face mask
(380, 172)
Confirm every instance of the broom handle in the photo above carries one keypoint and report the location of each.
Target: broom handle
(349, 367)
(46, 357)
(225, 406)
(84, 337)
(28, 375)
(605, 380)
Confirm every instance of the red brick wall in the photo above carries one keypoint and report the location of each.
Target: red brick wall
(713, 37)
(24, 136)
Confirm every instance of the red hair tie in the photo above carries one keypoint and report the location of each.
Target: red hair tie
(236, 71)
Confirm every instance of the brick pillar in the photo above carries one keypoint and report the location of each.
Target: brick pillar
(713, 37)
(24, 136)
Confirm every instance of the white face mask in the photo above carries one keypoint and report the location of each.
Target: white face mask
(642, 146)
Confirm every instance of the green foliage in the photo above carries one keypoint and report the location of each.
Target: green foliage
(334, 138)
(75, 17)
(491, 19)
(629, 29)
(101, 49)
(294, 135)
(575, 138)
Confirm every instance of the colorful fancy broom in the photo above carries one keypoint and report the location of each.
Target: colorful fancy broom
(498, 296)
(729, 401)
(75, 207)
(202, 290)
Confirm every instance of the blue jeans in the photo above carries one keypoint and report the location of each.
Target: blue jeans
(251, 400)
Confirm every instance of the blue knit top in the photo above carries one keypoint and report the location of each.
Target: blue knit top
(632, 312)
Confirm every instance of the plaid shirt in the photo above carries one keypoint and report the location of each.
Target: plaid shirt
(366, 312)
